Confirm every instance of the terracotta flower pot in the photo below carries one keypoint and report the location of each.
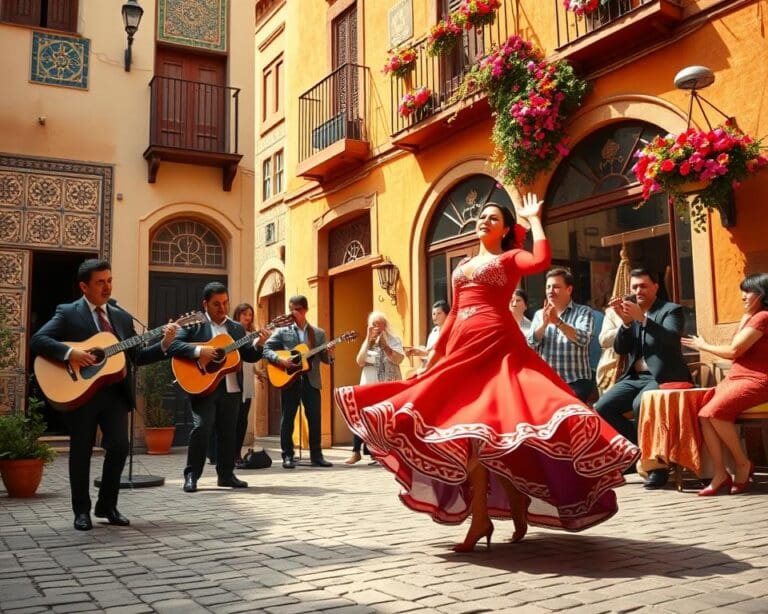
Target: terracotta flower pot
(22, 477)
(692, 187)
(159, 439)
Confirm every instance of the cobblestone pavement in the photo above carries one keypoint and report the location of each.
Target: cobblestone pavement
(339, 540)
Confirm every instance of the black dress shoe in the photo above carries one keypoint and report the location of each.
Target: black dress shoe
(319, 461)
(83, 522)
(288, 462)
(657, 478)
(113, 516)
(190, 483)
(232, 482)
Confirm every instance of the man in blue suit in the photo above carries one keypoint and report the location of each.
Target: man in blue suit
(220, 407)
(305, 389)
(650, 337)
(108, 408)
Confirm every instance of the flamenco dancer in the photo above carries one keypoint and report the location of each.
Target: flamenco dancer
(510, 440)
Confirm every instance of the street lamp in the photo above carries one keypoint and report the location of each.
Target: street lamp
(695, 78)
(132, 13)
(388, 275)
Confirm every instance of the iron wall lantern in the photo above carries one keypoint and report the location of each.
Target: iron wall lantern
(388, 275)
(132, 13)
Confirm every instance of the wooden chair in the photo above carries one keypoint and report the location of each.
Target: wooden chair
(756, 417)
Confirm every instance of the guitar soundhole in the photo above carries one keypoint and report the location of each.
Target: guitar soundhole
(89, 371)
(212, 367)
(296, 358)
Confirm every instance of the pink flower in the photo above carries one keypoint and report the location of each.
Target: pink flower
(667, 166)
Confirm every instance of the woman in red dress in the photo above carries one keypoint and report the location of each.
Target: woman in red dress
(489, 429)
(745, 386)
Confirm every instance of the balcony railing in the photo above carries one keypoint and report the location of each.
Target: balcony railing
(334, 110)
(443, 74)
(193, 122)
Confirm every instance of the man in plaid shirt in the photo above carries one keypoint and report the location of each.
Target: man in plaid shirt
(561, 332)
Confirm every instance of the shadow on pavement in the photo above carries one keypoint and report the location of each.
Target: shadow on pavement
(602, 557)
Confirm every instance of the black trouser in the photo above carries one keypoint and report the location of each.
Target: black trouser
(242, 425)
(108, 409)
(620, 398)
(220, 409)
(582, 388)
(300, 392)
(358, 445)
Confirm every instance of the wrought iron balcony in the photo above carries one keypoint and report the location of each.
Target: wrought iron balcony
(193, 123)
(443, 74)
(613, 30)
(332, 123)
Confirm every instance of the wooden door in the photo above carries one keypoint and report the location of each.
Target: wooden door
(191, 104)
(171, 294)
(347, 81)
(468, 50)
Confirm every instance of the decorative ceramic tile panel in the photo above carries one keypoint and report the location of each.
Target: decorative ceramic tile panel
(14, 274)
(195, 23)
(55, 204)
(58, 59)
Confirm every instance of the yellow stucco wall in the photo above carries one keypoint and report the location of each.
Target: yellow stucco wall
(109, 123)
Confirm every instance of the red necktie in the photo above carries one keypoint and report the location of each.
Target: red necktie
(104, 325)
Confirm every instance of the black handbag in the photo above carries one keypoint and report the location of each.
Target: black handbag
(258, 459)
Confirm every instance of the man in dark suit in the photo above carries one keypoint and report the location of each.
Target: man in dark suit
(650, 337)
(109, 407)
(306, 387)
(220, 407)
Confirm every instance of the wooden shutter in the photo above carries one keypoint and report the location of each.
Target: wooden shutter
(25, 12)
(62, 15)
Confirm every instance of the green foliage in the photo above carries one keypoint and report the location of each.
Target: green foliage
(531, 100)
(153, 384)
(19, 435)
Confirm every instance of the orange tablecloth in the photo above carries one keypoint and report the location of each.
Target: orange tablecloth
(668, 429)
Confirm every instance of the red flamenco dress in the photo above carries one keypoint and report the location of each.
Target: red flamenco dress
(493, 398)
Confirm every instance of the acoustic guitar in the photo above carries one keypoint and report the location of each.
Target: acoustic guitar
(196, 377)
(300, 355)
(67, 386)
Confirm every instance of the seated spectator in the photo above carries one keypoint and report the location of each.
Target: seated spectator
(519, 307)
(745, 386)
(440, 311)
(609, 367)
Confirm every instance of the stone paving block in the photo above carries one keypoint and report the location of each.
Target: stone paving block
(396, 606)
(180, 606)
(369, 597)
(75, 607)
(401, 590)
(138, 608)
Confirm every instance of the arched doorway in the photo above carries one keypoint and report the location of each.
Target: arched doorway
(271, 302)
(185, 255)
(451, 233)
(593, 208)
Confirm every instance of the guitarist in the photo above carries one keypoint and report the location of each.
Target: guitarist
(220, 407)
(109, 406)
(306, 387)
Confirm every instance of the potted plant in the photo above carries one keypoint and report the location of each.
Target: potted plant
(708, 163)
(159, 427)
(400, 61)
(416, 100)
(22, 455)
(443, 37)
(531, 100)
(476, 13)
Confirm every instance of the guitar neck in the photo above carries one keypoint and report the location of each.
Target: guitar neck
(236, 345)
(132, 342)
(319, 348)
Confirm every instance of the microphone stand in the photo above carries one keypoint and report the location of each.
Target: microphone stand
(133, 481)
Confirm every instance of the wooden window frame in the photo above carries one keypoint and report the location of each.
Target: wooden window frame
(275, 178)
(272, 94)
(6, 16)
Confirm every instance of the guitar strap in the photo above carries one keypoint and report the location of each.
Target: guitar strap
(310, 336)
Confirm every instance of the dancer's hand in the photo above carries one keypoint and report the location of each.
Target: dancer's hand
(531, 207)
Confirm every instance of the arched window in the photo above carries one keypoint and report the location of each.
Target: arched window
(451, 237)
(593, 207)
(187, 244)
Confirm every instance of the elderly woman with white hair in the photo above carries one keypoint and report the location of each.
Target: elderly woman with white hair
(379, 357)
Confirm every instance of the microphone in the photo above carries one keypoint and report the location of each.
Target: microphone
(113, 303)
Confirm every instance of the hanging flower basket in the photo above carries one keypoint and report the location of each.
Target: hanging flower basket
(400, 62)
(583, 7)
(419, 99)
(476, 13)
(709, 164)
(531, 101)
(443, 37)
